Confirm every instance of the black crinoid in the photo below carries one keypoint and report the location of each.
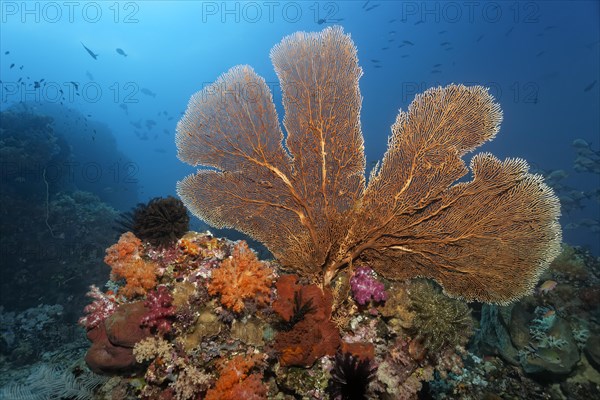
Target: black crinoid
(350, 378)
(161, 221)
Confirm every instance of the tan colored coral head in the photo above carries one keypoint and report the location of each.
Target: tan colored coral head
(305, 198)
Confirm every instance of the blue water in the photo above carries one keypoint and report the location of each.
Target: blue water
(540, 60)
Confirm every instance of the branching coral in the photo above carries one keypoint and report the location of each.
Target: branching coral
(241, 277)
(308, 203)
(126, 262)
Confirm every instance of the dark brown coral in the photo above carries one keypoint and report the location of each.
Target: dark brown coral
(488, 239)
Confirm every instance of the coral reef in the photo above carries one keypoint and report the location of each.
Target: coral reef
(308, 202)
(235, 382)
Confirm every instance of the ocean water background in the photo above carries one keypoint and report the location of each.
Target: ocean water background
(540, 60)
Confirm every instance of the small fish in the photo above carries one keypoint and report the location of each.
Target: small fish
(436, 71)
(540, 53)
(91, 53)
(479, 38)
(148, 92)
(408, 42)
(392, 20)
(509, 31)
(441, 32)
(419, 22)
(547, 287)
(549, 313)
(437, 65)
(385, 48)
(372, 7)
(12, 65)
(375, 61)
(366, 3)
(6, 53)
(121, 52)
(75, 84)
(89, 75)
(590, 86)
(124, 107)
(21, 67)
(377, 66)
(36, 85)
(445, 44)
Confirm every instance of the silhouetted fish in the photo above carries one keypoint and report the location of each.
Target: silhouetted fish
(366, 3)
(6, 52)
(508, 32)
(540, 53)
(91, 53)
(392, 20)
(479, 38)
(445, 44)
(441, 32)
(121, 52)
(148, 92)
(437, 65)
(89, 75)
(408, 42)
(75, 84)
(375, 61)
(372, 7)
(590, 86)
(419, 22)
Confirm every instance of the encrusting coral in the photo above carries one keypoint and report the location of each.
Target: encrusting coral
(308, 202)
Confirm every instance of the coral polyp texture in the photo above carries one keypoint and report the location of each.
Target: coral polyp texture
(307, 200)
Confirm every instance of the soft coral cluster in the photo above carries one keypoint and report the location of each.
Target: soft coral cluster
(126, 262)
(162, 312)
(101, 308)
(236, 383)
(365, 287)
(240, 277)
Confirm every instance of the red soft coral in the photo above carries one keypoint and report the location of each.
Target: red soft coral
(126, 262)
(235, 383)
(241, 276)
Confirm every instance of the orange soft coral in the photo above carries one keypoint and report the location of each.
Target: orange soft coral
(235, 383)
(241, 276)
(126, 263)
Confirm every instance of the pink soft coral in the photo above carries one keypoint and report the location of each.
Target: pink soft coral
(101, 308)
(162, 311)
(241, 276)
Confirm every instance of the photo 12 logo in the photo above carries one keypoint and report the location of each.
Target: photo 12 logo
(68, 11)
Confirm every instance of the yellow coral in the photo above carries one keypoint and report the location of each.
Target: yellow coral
(241, 276)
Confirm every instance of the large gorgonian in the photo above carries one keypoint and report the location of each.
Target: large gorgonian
(488, 239)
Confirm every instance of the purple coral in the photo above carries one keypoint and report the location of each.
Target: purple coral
(100, 309)
(365, 287)
(161, 312)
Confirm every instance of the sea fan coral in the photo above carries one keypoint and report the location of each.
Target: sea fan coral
(308, 203)
(126, 262)
(161, 221)
(240, 277)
